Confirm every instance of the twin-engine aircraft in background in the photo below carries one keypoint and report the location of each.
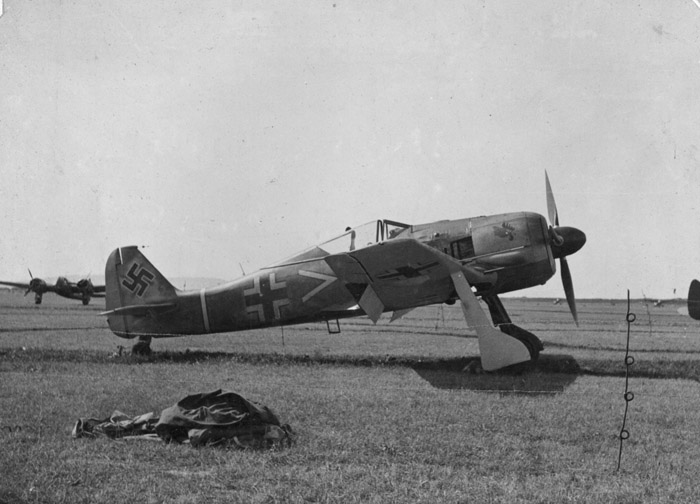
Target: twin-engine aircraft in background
(83, 289)
(379, 267)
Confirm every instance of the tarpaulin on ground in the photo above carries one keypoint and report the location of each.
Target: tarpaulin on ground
(213, 418)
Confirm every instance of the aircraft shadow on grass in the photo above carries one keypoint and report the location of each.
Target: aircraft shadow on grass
(549, 376)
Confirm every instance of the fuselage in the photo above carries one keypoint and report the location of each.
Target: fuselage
(510, 251)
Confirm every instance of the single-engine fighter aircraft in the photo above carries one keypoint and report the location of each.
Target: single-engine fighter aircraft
(368, 270)
(694, 300)
(83, 289)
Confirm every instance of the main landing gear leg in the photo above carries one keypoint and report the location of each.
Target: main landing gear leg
(502, 320)
(142, 347)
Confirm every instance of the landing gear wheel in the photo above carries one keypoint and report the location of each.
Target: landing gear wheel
(532, 343)
(143, 347)
(500, 318)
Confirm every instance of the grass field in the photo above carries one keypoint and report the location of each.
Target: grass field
(382, 413)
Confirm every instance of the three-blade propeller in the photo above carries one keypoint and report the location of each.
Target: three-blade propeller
(565, 241)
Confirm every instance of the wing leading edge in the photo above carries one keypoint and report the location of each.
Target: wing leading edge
(15, 284)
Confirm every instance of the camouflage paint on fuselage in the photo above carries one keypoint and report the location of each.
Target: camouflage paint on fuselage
(508, 251)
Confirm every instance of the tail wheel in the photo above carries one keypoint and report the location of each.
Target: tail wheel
(142, 347)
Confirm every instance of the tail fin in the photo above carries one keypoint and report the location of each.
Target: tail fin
(694, 300)
(133, 288)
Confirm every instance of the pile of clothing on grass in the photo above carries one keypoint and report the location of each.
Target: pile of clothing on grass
(207, 419)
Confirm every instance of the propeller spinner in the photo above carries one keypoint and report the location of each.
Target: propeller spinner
(565, 241)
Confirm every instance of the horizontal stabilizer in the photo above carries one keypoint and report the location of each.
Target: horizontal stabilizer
(140, 310)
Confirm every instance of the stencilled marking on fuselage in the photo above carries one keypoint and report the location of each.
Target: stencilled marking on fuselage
(327, 280)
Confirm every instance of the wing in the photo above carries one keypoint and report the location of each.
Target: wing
(402, 274)
(13, 284)
(397, 275)
(40, 286)
(97, 291)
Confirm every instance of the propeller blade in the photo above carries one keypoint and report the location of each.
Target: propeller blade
(551, 204)
(28, 291)
(30, 274)
(568, 288)
(564, 241)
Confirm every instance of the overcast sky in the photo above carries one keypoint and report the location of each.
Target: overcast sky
(226, 133)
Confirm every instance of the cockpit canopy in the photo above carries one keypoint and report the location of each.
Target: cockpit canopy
(352, 239)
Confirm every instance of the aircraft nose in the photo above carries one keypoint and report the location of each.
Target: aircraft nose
(572, 240)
